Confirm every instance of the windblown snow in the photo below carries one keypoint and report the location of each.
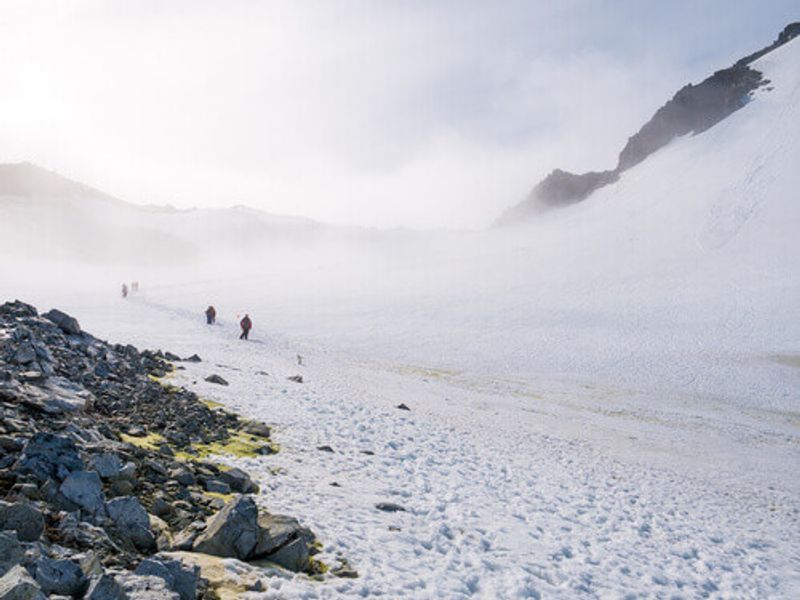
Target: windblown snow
(604, 402)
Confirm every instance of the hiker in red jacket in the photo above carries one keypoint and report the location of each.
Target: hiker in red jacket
(211, 315)
(246, 324)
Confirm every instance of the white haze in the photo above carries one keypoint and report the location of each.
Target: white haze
(410, 114)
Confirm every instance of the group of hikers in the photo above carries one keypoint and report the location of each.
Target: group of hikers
(211, 313)
(246, 324)
(126, 290)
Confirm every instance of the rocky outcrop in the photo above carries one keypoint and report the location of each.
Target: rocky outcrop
(101, 472)
(692, 110)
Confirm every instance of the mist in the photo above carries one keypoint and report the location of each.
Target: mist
(355, 113)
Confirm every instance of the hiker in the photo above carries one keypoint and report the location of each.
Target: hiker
(246, 325)
(135, 286)
(211, 315)
(124, 291)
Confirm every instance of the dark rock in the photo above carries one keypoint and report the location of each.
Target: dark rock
(296, 378)
(256, 428)
(389, 507)
(60, 577)
(11, 551)
(293, 556)
(193, 358)
(85, 489)
(217, 486)
(179, 578)
(172, 357)
(132, 523)
(25, 354)
(105, 587)
(107, 465)
(145, 587)
(22, 517)
(232, 532)
(66, 323)
(17, 584)
(402, 407)
(368, 452)
(47, 455)
(216, 379)
(275, 532)
(325, 449)
(238, 480)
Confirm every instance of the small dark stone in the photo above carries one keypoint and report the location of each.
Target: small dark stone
(402, 407)
(193, 358)
(389, 507)
(296, 378)
(216, 379)
(325, 449)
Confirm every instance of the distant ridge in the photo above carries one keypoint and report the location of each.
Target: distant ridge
(28, 180)
(693, 109)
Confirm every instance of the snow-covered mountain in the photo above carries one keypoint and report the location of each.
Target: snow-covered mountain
(692, 110)
(45, 215)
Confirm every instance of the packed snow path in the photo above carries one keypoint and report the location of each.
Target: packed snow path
(610, 503)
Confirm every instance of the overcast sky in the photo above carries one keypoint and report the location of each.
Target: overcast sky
(419, 114)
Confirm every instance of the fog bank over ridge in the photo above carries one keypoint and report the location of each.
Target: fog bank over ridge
(412, 115)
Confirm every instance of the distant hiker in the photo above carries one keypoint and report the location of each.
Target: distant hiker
(124, 291)
(135, 286)
(211, 315)
(246, 324)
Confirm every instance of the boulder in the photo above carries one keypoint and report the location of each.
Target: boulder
(108, 465)
(47, 455)
(232, 532)
(60, 577)
(11, 551)
(65, 322)
(216, 379)
(145, 587)
(217, 486)
(105, 587)
(17, 584)
(179, 578)
(25, 354)
(293, 556)
(22, 517)
(131, 522)
(276, 531)
(389, 507)
(84, 489)
(239, 481)
(193, 359)
(256, 428)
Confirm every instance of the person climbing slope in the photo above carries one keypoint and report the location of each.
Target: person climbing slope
(246, 324)
(124, 291)
(211, 315)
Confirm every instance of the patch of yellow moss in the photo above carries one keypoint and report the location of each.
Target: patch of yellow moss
(219, 495)
(211, 404)
(239, 444)
(151, 441)
(428, 372)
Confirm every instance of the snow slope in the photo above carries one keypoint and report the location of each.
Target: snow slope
(604, 402)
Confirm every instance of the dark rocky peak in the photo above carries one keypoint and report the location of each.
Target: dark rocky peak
(693, 109)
